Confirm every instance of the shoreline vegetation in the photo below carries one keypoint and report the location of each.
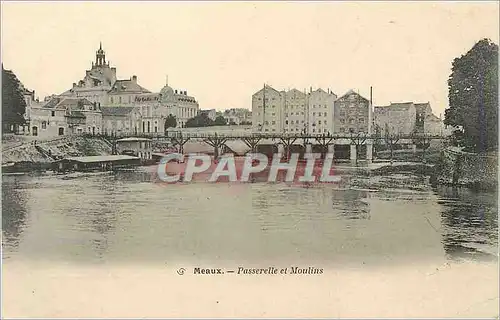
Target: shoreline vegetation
(445, 166)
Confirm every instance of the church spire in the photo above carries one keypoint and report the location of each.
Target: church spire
(100, 57)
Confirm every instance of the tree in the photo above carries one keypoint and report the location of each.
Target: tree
(200, 120)
(473, 96)
(220, 121)
(13, 104)
(170, 122)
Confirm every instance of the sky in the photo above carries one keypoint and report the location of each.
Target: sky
(223, 52)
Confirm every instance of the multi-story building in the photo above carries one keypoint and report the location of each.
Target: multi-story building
(408, 118)
(396, 118)
(97, 81)
(293, 111)
(65, 116)
(124, 92)
(267, 110)
(100, 85)
(320, 112)
(352, 114)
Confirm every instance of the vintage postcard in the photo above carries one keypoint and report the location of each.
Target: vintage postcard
(261, 159)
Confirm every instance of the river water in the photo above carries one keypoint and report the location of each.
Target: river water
(82, 240)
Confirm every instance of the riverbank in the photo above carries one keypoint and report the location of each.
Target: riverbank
(28, 153)
(472, 170)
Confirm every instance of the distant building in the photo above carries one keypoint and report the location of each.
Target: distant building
(119, 120)
(65, 116)
(396, 118)
(293, 111)
(321, 106)
(237, 116)
(267, 110)
(211, 114)
(100, 85)
(97, 81)
(352, 113)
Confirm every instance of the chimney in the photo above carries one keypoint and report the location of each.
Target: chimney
(175, 91)
(134, 78)
(186, 93)
(310, 89)
(74, 84)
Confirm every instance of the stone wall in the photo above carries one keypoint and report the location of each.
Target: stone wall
(468, 169)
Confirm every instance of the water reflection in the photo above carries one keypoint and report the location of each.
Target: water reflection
(470, 223)
(125, 217)
(14, 210)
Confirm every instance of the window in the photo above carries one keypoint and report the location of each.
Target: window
(53, 113)
(291, 122)
(44, 125)
(319, 121)
(112, 100)
(314, 113)
(342, 121)
(361, 120)
(286, 121)
(274, 122)
(273, 114)
(314, 130)
(342, 129)
(120, 100)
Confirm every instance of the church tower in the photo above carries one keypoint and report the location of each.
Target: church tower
(100, 57)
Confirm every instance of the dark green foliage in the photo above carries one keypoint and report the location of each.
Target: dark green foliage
(170, 122)
(473, 96)
(13, 104)
(202, 120)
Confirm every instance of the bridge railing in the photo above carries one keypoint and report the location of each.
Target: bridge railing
(242, 135)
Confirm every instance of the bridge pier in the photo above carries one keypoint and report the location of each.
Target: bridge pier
(252, 143)
(217, 143)
(286, 143)
(179, 143)
(353, 154)
(331, 148)
(324, 141)
(369, 152)
(308, 148)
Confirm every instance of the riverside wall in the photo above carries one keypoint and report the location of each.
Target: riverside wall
(460, 168)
